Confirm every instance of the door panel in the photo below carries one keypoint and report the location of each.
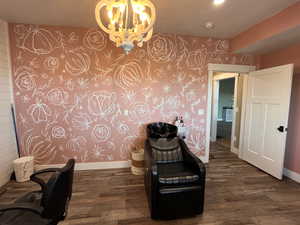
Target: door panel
(267, 108)
(271, 138)
(256, 117)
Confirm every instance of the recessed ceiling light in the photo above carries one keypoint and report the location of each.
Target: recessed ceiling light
(209, 25)
(218, 2)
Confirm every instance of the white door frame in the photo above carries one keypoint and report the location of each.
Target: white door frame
(214, 113)
(215, 106)
(226, 68)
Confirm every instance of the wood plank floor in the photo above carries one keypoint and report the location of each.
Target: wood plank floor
(236, 194)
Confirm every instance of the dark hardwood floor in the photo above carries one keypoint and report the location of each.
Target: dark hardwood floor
(236, 194)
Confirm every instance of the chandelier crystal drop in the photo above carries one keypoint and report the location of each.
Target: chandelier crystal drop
(126, 21)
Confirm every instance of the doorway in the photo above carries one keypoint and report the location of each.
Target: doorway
(263, 115)
(222, 108)
(223, 72)
(227, 91)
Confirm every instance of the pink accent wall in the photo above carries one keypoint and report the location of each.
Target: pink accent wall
(292, 158)
(279, 23)
(281, 57)
(77, 95)
(290, 55)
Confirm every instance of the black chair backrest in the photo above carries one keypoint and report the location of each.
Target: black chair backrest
(70, 167)
(58, 192)
(166, 150)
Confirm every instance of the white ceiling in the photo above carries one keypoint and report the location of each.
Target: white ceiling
(174, 16)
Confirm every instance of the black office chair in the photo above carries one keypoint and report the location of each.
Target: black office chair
(45, 207)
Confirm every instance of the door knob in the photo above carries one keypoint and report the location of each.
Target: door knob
(280, 129)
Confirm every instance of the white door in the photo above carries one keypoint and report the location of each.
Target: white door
(266, 118)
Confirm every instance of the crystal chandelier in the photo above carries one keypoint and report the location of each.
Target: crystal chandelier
(126, 21)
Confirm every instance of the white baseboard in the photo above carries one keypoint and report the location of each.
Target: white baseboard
(4, 178)
(91, 166)
(292, 175)
(234, 150)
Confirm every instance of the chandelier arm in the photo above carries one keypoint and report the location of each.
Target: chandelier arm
(99, 6)
(139, 35)
(153, 15)
(148, 36)
(127, 13)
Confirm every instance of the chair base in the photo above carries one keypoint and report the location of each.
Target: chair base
(21, 217)
(174, 203)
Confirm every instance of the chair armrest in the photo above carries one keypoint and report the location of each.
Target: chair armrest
(151, 173)
(151, 178)
(192, 160)
(150, 163)
(22, 206)
(48, 170)
(39, 181)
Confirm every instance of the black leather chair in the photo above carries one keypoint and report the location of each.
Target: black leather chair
(174, 179)
(45, 207)
(161, 130)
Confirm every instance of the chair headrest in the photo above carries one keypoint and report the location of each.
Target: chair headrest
(161, 130)
(164, 143)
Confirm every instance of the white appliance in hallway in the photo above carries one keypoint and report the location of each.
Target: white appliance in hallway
(266, 118)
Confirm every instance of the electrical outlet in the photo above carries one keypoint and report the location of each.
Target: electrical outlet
(200, 112)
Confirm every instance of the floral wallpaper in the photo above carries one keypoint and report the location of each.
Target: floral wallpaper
(77, 95)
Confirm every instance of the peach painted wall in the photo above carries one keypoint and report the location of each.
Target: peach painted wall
(79, 96)
(286, 19)
(281, 57)
(293, 141)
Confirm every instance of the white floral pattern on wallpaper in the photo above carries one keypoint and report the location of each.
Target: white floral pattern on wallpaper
(79, 96)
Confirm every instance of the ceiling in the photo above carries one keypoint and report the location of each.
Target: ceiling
(174, 16)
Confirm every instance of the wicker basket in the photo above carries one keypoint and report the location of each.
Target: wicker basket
(137, 162)
(23, 168)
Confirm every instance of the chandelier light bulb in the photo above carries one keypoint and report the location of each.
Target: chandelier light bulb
(209, 25)
(110, 14)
